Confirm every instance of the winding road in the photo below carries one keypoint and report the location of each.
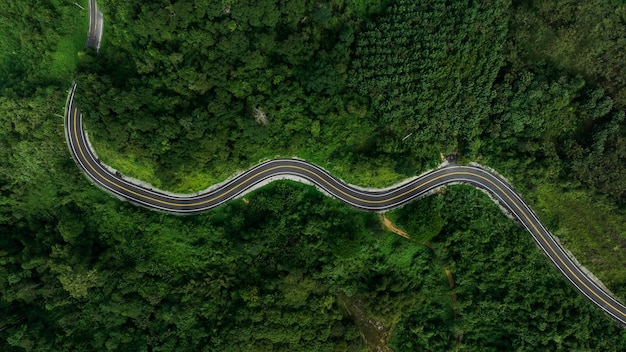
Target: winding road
(380, 200)
(369, 200)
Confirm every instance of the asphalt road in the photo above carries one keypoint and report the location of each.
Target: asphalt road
(96, 21)
(368, 200)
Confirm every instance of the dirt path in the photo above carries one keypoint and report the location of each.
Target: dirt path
(391, 227)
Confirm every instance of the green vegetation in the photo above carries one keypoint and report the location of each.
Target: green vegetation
(579, 38)
(37, 47)
(184, 93)
(428, 70)
(507, 295)
(267, 274)
(302, 83)
(238, 81)
(589, 225)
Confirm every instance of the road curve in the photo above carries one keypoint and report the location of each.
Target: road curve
(367, 200)
(96, 21)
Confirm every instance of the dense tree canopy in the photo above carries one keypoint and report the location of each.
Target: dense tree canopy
(183, 93)
(429, 68)
(223, 86)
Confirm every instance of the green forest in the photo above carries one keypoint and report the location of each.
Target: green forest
(184, 94)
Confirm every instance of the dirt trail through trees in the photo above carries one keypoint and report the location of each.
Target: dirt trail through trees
(391, 227)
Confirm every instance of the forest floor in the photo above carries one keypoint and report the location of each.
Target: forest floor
(375, 333)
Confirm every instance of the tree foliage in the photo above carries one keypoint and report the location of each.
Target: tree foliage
(428, 69)
(178, 89)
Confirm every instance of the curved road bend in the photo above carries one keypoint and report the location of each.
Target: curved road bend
(96, 21)
(368, 200)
